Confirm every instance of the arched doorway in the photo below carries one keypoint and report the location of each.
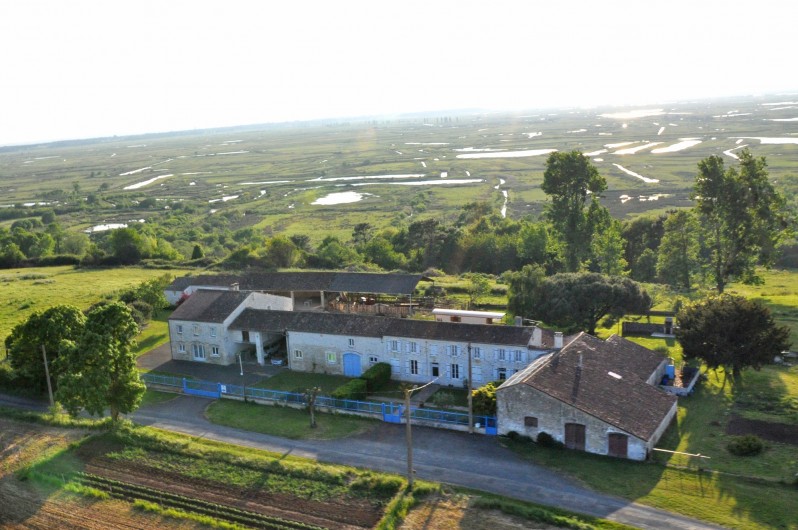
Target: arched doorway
(352, 367)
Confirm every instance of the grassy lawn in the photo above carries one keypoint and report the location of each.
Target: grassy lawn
(299, 382)
(449, 397)
(284, 421)
(154, 397)
(154, 334)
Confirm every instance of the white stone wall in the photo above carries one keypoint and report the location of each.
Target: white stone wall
(196, 334)
(517, 402)
(323, 353)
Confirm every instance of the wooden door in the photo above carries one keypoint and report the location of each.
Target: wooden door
(618, 445)
(575, 436)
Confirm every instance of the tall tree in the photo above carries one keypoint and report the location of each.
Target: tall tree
(99, 370)
(677, 260)
(48, 329)
(607, 248)
(577, 301)
(522, 288)
(569, 179)
(742, 215)
(477, 287)
(731, 332)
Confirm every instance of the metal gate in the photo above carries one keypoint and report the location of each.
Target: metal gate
(352, 365)
(202, 388)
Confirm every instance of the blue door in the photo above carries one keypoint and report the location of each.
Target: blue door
(352, 365)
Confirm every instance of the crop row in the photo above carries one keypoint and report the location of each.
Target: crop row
(131, 492)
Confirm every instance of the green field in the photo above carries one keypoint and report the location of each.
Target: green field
(23, 291)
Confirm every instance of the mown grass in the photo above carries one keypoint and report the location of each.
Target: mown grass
(285, 422)
(154, 397)
(21, 293)
(288, 381)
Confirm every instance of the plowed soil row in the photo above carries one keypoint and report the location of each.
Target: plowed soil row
(346, 514)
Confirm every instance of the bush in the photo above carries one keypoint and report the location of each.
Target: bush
(748, 445)
(484, 400)
(547, 440)
(377, 376)
(354, 389)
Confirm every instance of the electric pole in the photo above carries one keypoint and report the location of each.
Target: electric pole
(47, 376)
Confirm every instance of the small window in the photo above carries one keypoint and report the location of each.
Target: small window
(501, 374)
(454, 350)
(198, 350)
(518, 355)
(394, 345)
(455, 371)
(454, 319)
(476, 352)
(213, 331)
(214, 351)
(351, 343)
(245, 336)
(373, 359)
(414, 347)
(197, 329)
(332, 357)
(179, 329)
(530, 421)
(181, 347)
(297, 354)
(414, 367)
(502, 354)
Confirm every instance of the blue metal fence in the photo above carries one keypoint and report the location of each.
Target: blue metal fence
(390, 412)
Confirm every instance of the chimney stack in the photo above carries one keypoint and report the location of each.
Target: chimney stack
(558, 339)
(519, 321)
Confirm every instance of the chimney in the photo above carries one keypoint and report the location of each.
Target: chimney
(558, 339)
(519, 321)
(234, 286)
(579, 366)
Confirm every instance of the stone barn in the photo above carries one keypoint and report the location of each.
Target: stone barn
(592, 395)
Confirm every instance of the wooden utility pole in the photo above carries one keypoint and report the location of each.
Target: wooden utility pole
(409, 435)
(47, 376)
(312, 393)
(470, 396)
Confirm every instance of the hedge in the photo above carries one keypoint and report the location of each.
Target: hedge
(377, 376)
(353, 389)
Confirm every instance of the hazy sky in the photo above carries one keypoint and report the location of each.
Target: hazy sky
(79, 68)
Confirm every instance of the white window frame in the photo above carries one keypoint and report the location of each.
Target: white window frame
(413, 367)
(181, 347)
(413, 347)
(332, 357)
(455, 371)
(373, 359)
(454, 350)
(394, 345)
(351, 343)
(198, 351)
(213, 331)
(197, 329)
(179, 329)
(214, 351)
(501, 354)
(297, 354)
(518, 356)
(476, 352)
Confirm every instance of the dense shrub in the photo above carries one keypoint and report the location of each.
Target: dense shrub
(377, 376)
(748, 445)
(547, 440)
(354, 389)
(484, 400)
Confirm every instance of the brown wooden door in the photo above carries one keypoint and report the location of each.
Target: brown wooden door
(575, 436)
(618, 444)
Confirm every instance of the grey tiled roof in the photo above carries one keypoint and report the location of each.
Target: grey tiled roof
(350, 282)
(377, 326)
(627, 402)
(209, 305)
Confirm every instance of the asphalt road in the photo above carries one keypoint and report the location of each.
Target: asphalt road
(473, 461)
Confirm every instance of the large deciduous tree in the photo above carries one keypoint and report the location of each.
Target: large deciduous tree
(573, 184)
(741, 213)
(732, 332)
(48, 329)
(577, 301)
(98, 371)
(677, 260)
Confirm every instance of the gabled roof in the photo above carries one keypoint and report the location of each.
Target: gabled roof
(209, 305)
(377, 326)
(605, 379)
(348, 282)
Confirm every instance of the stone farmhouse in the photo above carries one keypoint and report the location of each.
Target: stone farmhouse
(592, 395)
